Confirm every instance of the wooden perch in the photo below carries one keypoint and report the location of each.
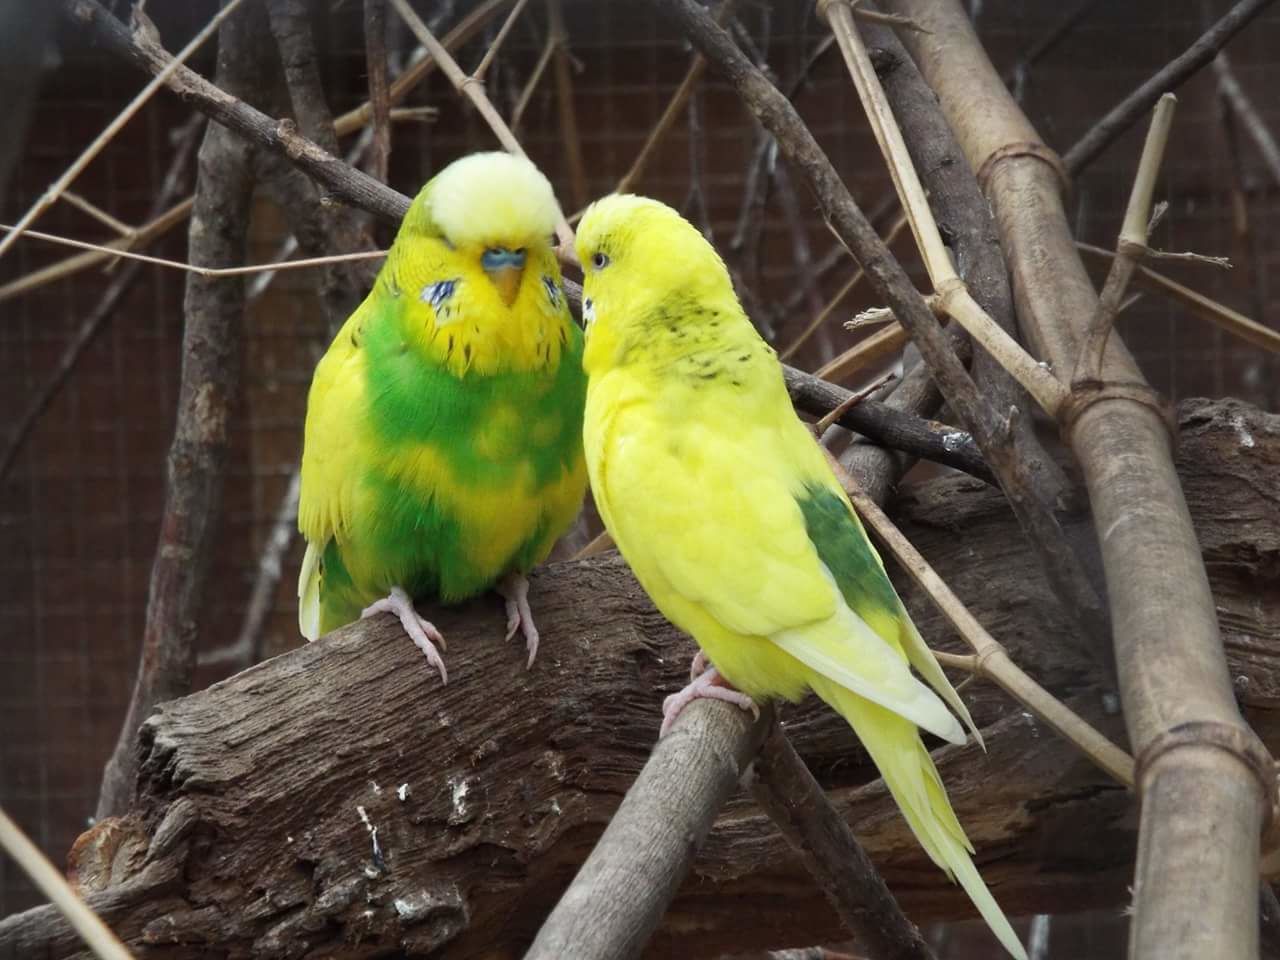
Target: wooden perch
(247, 834)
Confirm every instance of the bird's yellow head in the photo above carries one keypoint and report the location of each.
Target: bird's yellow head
(494, 211)
(652, 283)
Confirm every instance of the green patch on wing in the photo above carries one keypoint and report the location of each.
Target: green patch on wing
(843, 547)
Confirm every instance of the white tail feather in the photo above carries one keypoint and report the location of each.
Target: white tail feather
(309, 593)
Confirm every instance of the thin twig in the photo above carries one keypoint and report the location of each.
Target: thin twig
(1016, 76)
(474, 91)
(152, 230)
(990, 659)
(697, 65)
(109, 251)
(1216, 313)
(816, 323)
(855, 398)
(564, 97)
(1250, 119)
(141, 25)
(1047, 390)
(526, 94)
(172, 185)
(482, 68)
(247, 648)
(1132, 244)
(1122, 116)
(874, 349)
(50, 881)
(416, 72)
(375, 59)
(98, 213)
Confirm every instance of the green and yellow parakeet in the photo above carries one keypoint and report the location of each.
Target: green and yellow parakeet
(725, 507)
(443, 447)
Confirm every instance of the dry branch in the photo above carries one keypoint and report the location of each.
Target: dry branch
(785, 790)
(281, 137)
(1205, 782)
(246, 836)
(375, 59)
(174, 183)
(210, 384)
(1214, 312)
(141, 27)
(1133, 107)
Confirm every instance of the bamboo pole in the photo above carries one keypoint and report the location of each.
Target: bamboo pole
(1205, 781)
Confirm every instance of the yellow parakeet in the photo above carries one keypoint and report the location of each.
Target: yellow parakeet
(443, 448)
(726, 509)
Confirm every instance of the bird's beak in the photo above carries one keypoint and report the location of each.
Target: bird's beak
(505, 268)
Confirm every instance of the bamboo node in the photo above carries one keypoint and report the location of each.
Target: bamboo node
(1028, 148)
(1239, 742)
(1086, 392)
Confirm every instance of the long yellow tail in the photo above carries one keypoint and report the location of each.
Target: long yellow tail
(908, 771)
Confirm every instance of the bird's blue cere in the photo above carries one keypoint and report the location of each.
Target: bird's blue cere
(495, 258)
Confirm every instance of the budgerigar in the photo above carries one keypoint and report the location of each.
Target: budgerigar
(443, 449)
(725, 507)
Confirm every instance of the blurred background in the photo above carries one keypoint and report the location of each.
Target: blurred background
(81, 476)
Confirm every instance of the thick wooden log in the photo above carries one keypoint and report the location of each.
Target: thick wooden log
(252, 835)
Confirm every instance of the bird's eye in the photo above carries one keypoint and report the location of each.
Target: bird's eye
(599, 260)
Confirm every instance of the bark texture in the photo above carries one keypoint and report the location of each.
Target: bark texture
(248, 836)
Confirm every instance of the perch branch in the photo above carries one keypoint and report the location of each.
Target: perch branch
(619, 896)
(251, 785)
(49, 881)
(1207, 309)
(1126, 113)
(795, 802)
(1174, 681)
(141, 27)
(1131, 247)
(210, 383)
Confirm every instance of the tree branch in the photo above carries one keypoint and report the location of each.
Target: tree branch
(1127, 112)
(210, 384)
(1204, 802)
(246, 837)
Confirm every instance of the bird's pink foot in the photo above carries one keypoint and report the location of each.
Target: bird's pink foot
(708, 686)
(514, 589)
(420, 630)
(699, 665)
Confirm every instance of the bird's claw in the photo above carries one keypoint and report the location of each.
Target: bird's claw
(708, 686)
(514, 589)
(421, 631)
